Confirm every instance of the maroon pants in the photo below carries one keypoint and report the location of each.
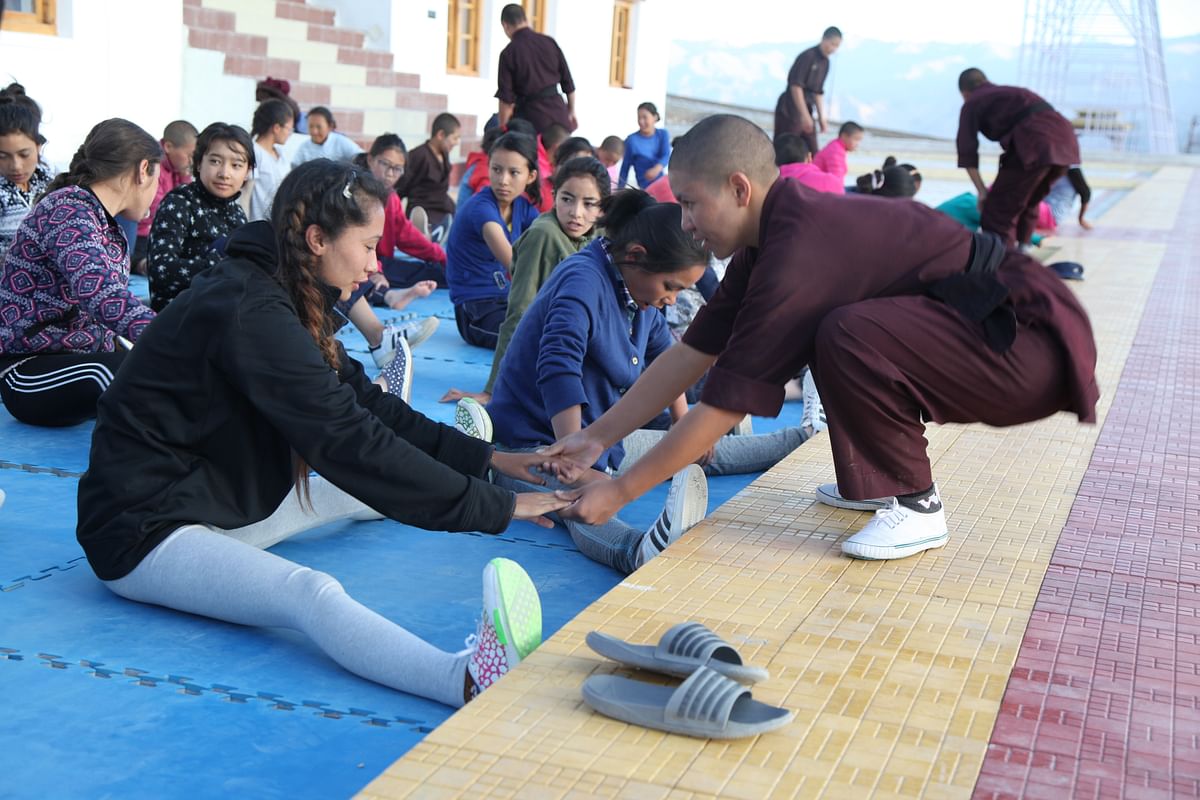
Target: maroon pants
(1011, 206)
(883, 366)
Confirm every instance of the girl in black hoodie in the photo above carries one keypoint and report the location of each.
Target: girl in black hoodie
(223, 406)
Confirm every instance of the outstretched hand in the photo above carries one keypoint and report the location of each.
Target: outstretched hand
(571, 457)
(520, 466)
(595, 503)
(454, 395)
(533, 506)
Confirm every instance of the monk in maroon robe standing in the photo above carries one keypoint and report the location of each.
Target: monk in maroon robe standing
(530, 72)
(1039, 145)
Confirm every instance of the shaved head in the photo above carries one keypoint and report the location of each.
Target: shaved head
(971, 79)
(720, 145)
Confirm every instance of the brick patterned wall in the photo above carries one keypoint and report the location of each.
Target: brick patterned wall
(211, 27)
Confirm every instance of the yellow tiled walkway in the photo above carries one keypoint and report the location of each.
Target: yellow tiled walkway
(895, 669)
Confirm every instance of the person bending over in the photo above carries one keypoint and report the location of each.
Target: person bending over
(903, 315)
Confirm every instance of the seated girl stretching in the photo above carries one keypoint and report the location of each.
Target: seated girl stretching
(587, 337)
(225, 404)
(479, 249)
(580, 185)
(64, 284)
(195, 220)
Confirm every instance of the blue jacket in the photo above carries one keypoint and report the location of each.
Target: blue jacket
(574, 346)
(472, 272)
(642, 153)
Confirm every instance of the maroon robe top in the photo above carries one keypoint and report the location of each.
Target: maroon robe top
(1040, 139)
(530, 68)
(820, 251)
(808, 71)
(426, 181)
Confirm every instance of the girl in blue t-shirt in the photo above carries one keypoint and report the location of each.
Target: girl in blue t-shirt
(647, 150)
(479, 249)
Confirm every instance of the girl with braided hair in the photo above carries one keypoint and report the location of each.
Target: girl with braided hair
(64, 284)
(203, 445)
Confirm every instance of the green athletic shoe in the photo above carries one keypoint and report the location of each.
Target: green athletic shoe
(511, 627)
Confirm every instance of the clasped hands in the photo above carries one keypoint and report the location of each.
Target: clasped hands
(593, 497)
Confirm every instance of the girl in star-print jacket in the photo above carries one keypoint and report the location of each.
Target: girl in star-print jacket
(195, 220)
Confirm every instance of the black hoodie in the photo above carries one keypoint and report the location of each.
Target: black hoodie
(201, 421)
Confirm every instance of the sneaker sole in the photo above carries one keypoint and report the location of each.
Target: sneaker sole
(827, 493)
(869, 552)
(472, 419)
(428, 326)
(402, 349)
(511, 600)
(691, 502)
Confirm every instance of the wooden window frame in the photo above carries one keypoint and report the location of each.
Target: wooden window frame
(455, 37)
(43, 20)
(618, 63)
(535, 11)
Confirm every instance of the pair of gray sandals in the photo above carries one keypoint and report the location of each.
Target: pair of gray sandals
(711, 703)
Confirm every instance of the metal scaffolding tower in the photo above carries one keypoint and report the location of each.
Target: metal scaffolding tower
(1100, 62)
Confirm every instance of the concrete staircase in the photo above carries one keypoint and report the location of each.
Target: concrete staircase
(325, 64)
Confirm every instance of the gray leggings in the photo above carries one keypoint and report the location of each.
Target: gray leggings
(224, 575)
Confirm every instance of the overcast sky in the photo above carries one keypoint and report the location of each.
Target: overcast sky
(1000, 21)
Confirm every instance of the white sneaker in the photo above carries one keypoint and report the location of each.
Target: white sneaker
(828, 494)
(418, 330)
(687, 503)
(420, 221)
(511, 626)
(471, 418)
(813, 417)
(398, 371)
(898, 532)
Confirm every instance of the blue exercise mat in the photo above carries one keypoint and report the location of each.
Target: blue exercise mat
(140, 701)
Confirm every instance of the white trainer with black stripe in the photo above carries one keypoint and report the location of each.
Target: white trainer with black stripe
(812, 418)
(687, 503)
(898, 532)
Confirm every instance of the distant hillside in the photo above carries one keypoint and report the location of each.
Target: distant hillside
(905, 87)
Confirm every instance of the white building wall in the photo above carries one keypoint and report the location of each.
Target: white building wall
(116, 58)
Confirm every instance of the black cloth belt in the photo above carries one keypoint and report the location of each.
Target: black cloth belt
(978, 294)
(549, 91)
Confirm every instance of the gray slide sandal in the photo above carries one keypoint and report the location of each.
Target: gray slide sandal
(682, 649)
(706, 705)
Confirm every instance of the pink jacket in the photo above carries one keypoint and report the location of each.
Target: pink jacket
(400, 234)
(832, 159)
(168, 179)
(813, 176)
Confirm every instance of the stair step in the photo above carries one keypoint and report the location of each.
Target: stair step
(391, 79)
(365, 58)
(288, 9)
(338, 36)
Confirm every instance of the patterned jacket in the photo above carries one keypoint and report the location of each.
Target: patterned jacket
(64, 286)
(15, 204)
(188, 223)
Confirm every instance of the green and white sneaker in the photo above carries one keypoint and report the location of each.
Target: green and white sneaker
(471, 418)
(511, 627)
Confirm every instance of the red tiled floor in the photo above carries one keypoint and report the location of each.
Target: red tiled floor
(1104, 700)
